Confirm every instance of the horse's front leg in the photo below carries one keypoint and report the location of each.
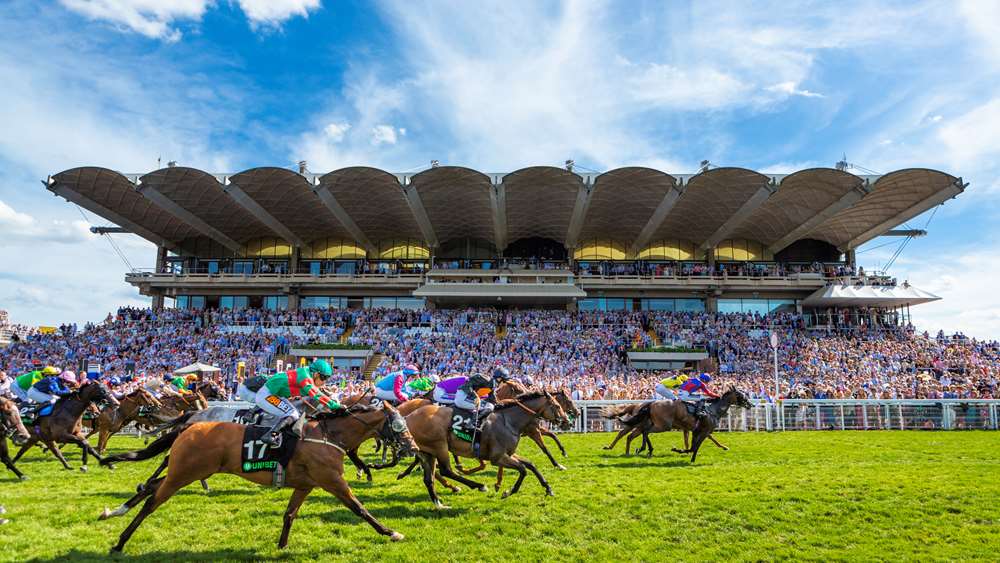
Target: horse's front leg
(717, 443)
(536, 436)
(555, 438)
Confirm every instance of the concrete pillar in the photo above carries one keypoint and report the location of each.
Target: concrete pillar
(711, 303)
(161, 259)
(293, 261)
(851, 257)
(158, 300)
(293, 299)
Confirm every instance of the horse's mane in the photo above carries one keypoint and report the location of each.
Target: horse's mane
(340, 413)
(507, 403)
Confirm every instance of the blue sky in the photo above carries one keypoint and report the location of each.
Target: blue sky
(229, 84)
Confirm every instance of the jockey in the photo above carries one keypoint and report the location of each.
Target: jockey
(247, 389)
(420, 385)
(666, 388)
(390, 388)
(478, 387)
(5, 383)
(696, 388)
(444, 392)
(48, 390)
(25, 382)
(273, 397)
(179, 385)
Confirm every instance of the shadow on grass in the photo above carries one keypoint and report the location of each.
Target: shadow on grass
(76, 555)
(644, 462)
(193, 489)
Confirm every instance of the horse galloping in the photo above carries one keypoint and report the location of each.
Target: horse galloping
(11, 425)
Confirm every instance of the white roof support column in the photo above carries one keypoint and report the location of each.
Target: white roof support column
(94, 207)
(419, 213)
(748, 207)
(341, 214)
(938, 198)
(173, 208)
(498, 201)
(261, 214)
(847, 200)
(656, 219)
(579, 212)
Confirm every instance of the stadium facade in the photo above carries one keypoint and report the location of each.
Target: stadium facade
(724, 239)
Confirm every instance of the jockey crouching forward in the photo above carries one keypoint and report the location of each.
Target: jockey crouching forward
(445, 391)
(247, 389)
(273, 397)
(392, 387)
(420, 386)
(473, 393)
(696, 389)
(667, 388)
(47, 391)
(23, 383)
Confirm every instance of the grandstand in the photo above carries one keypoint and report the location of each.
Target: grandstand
(722, 240)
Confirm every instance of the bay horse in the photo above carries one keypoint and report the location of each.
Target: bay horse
(431, 427)
(112, 419)
(662, 416)
(64, 425)
(203, 449)
(11, 425)
(364, 469)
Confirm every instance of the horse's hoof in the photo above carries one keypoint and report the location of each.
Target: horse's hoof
(549, 493)
(24, 477)
(105, 515)
(83, 468)
(3, 521)
(605, 448)
(496, 488)
(560, 467)
(482, 488)
(441, 506)
(505, 494)
(396, 536)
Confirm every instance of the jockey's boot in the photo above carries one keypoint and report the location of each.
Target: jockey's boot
(272, 435)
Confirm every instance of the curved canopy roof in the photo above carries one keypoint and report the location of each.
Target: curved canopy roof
(632, 205)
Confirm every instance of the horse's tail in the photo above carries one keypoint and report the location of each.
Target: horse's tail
(636, 418)
(171, 424)
(158, 446)
(616, 411)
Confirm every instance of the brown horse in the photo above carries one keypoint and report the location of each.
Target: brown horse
(209, 391)
(510, 390)
(112, 419)
(364, 469)
(64, 425)
(431, 427)
(203, 449)
(10, 425)
(661, 416)
(625, 412)
(171, 407)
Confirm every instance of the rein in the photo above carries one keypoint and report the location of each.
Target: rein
(325, 442)
(523, 406)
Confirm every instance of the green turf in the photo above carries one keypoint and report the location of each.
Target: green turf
(794, 495)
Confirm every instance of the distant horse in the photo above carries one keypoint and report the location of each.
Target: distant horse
(112, 419)
(10, 425)
(201, 450)
(661, 416)
(64, 425)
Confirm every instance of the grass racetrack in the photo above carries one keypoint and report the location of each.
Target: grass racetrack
(793, 495)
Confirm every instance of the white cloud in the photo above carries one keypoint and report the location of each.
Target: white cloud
(971, 137)
(336, 131)
(152, 18)
(383, 135)
(18, 227)
(792, 89)
(158, 19)
(983, 18)
(272, 13)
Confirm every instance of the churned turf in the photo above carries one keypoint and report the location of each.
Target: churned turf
(794, 495)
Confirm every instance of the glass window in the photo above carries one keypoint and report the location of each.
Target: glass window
(657, 304)
(346, 267)
(315, 302)
(197, 301)
(587, 305)
(614, 304)
(380, 302)
(689, 305)
(234, 301)
(181, 302)
(243, 267)
(410, 303)
(784, 304)
(758, 306)
(276, 302)
(212, 266)
(729, 306)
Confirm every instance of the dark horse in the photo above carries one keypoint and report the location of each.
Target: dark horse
(661, 416)
(65, 424)
(206, 448)
(113, 418)
(10, 425)
(432, 430)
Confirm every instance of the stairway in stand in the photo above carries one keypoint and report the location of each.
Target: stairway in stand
(347, 334)
(373, 363)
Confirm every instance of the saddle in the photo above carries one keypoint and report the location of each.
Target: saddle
(465, 426)
(31, 413)
(256, 456)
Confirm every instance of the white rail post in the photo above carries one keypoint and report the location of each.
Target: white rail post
(864, 416)
(902, 423)
(843, 423)
(818, 422)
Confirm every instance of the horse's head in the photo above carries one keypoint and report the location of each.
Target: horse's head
(553, 412)
(146, 399)
(738, 398)
(567, 404)
(10, 422)
(395, 432)
(210, 390)
(96, 392)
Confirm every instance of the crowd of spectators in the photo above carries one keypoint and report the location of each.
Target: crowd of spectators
(584, 352)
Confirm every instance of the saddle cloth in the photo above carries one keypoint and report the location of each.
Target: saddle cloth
(256, 456)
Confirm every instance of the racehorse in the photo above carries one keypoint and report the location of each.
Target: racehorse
(203, 449)
(209, 391)
(112, 419)
(431, 427)
(509, 390)
(661, 416)
(368, 397)
(171, 407)
(64, 424)
(10, 425)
